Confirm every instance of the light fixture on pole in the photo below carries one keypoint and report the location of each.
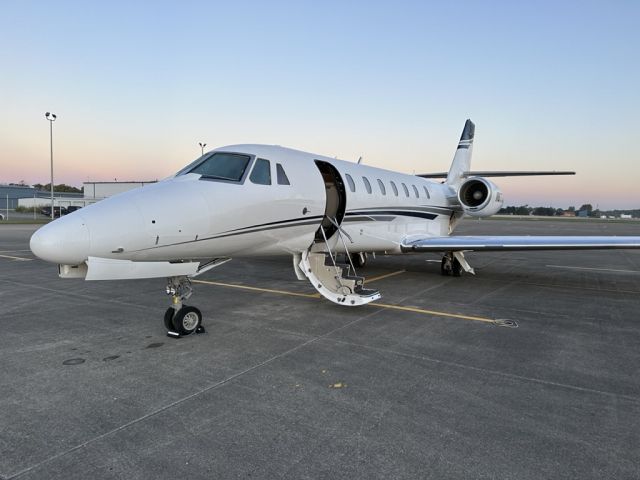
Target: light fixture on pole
(52, 118)
(202, 145)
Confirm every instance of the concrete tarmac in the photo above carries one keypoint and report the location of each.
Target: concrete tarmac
(529, 370)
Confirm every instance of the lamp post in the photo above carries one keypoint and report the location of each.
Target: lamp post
(52, 118)
(202, 145)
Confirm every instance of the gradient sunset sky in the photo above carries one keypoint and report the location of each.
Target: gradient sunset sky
(136, 85)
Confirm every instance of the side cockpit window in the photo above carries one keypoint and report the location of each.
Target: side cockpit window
(222, 166)
(426, 191)
(261, 173)
(282, 177)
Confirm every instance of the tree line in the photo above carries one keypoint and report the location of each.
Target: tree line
(558, 212)
(61, 187)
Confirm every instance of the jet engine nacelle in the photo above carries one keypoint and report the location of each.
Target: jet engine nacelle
(479, 197)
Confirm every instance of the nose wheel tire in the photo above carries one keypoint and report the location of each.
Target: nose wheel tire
(168, 318)
(185, 321)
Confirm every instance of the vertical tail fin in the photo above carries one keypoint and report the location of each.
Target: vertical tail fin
(462, 159)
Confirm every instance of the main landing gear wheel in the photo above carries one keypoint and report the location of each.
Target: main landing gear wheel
(445, 265)
(456, 268)
(450, 266)
(359, 260)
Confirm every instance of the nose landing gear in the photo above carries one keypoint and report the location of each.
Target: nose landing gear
(181, 319)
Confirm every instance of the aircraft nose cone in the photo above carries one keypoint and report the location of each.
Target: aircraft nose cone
(64, 241)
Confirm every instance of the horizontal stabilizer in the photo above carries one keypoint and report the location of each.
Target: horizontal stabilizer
(508, 243)
(497, 173)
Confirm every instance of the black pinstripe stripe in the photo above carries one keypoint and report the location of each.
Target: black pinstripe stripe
(397, 213)
(367, 215)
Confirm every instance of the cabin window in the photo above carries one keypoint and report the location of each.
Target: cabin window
(382, 189)
(352, 184)
(261, 173)
(406, 190)
(426, 191)
(281, 176)
(415, 190)
(367, 185)
(395, 189)
(223, 166)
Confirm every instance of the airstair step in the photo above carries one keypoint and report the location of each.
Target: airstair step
(365, 292)
(357, 280)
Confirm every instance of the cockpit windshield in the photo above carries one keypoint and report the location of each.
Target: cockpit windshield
(220, 166)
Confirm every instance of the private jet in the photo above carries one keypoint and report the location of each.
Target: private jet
(250, 200)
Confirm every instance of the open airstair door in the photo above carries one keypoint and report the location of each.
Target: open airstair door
(336, 201)
(330, 280)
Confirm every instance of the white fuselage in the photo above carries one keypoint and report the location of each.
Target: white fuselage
(248, 200)
(190, 217)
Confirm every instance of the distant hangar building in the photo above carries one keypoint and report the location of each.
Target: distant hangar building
(100, 190)
(11, 194)
(93, 192)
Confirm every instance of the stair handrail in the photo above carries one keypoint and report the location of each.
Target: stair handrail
(326, 242)
(344, 244)
(335, 223)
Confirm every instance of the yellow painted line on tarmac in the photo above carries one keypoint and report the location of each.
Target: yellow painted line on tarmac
(378, 305)
(375, 279)
(433, 312)
(257, 289)
(20, 259)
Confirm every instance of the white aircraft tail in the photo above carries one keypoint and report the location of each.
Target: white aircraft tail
(462, 159)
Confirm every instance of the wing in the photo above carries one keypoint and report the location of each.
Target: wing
(505, 243)
(496, 173)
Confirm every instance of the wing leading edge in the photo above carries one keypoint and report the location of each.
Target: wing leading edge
(507, 243)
